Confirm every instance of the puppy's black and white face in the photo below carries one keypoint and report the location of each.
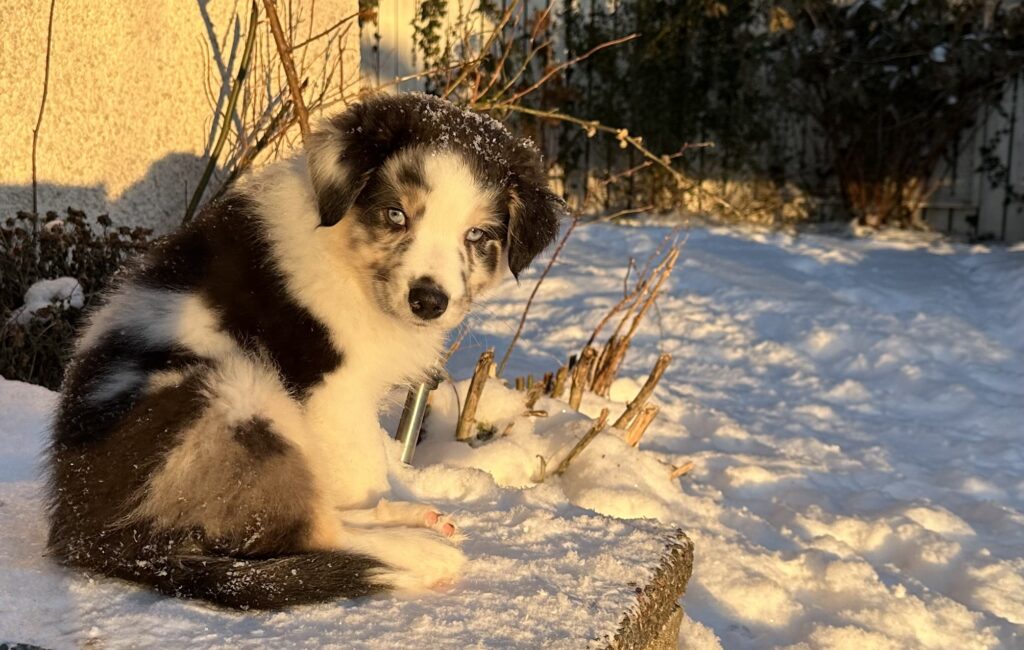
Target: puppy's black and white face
(432, 203)
(430, 234)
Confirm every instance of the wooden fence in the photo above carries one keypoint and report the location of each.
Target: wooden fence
(980, 191)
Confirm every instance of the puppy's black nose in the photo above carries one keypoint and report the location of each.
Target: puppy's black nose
(427, 299)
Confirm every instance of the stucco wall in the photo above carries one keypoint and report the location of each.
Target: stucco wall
(128, 114)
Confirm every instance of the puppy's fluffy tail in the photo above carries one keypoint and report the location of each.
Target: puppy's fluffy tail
(271, 583)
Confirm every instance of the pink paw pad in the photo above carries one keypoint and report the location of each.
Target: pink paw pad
(440, 523)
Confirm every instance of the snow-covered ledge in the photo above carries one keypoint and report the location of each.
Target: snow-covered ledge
(542, 573)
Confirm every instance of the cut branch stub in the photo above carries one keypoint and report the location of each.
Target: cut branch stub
(645, 393)
(602, 359)
(579, 377)
(558, 387)
(582, 443)
(467, 418)
(682, 470)
(640, 424)
(533, 394)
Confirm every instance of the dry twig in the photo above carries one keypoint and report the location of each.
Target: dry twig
(533, 294)
(558, 385)
(42, 108)
(579, 377)
(618, 345)
(645, 393)
(640, 424)
(582, 443)
(366, 15)
(236, 90)
(681, 470)
(467, 418)
(533, 394)
(284, 50)
(561, 67)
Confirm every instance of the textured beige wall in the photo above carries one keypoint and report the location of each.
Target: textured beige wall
(128, 114)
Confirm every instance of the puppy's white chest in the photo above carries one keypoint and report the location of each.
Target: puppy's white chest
(347, 447)
(343, 415)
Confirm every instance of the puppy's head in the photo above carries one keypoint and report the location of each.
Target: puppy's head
(434, 202)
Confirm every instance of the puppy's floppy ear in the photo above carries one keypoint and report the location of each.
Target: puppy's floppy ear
(337, 178)
(344, 153)
(534, 213)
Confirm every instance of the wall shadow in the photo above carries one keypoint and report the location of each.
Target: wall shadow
(157, 200)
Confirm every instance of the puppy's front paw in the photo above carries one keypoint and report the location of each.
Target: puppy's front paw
(444, 525)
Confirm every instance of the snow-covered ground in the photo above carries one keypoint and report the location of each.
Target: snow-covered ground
(853, 408)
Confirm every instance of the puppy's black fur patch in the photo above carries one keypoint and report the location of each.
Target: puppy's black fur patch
(80, 416)
(223, 250)
(89, 482)
(260, 439)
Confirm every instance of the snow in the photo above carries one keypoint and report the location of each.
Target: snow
(853, 407)
(62, 293)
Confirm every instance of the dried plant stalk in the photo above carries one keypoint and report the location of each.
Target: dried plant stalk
(558, 386)
(520, 383)
(533, 394)
(645, 393)
(582, 443)
(533, 294)
(467, 418)
(284, 50)
(640, 424)
(42, 107)
(579, 377)
(630, 301)
(602, 359)
(681, 470)
(229, 111)
(606, 374)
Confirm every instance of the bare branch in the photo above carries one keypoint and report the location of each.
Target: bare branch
(285, 52)
(533, 294)
(42, 107)
(236, 89)
(582, 443)
(469, 68)
(645, 393)
(328, 30)
(571, 62)
(464, 429)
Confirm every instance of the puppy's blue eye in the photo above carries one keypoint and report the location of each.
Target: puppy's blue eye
(396, 216)
(474, 235)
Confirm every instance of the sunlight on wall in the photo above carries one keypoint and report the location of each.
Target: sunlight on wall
(128, 113)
